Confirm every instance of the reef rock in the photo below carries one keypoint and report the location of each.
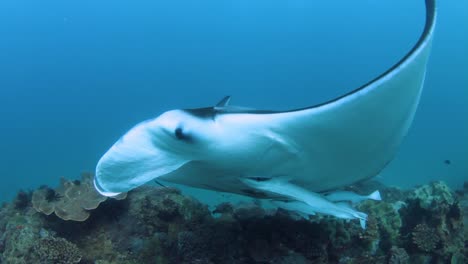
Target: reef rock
(434, 196)
(434, 219)
(56, 250)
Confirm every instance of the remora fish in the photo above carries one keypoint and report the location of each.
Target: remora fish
(320, 148)
(299, 207)
(354, 198)
(316, 202)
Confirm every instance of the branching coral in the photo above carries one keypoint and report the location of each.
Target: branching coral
(425, 237)
(72, 200)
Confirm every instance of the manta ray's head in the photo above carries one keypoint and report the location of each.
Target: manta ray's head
(151, 149)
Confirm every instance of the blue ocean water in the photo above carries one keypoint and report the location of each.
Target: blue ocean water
(75, 75)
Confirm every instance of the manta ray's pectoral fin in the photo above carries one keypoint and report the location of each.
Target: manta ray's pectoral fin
(224, 102)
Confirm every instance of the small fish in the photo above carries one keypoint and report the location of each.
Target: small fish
(301, 208)
(316, 202)
(354, 198)
(447, 162)
(352, 214)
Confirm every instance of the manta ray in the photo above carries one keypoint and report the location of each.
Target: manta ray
(295, 155)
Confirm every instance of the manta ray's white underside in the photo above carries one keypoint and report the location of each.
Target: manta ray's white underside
(319, 148)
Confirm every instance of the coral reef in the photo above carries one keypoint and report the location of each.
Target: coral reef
(72, 200)
(425, 238)
(398, 256)
(463, 202)
(56, 250)
(434, 196)
(161, 225)
(22, 200)
(434, 220)
(387, 221)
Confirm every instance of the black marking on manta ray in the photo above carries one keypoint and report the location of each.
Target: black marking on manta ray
(209, 186)
(160, 184)
(210, 112)
(284, 200)
(254, 193)
(181, 135)
(259, 179)
(203, 113)
(428, 26)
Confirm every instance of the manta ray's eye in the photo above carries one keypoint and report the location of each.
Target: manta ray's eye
(179, 134)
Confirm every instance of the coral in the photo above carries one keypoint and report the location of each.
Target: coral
(338, 232)
(463, 202)
(99, 247)
(370, 237)
(433, 197)
(425, 237)
(72, 200)
(161, 225)
(247, 210)
(393, 194)
(19, 231)
(398, 256)
(433, 214)
(387, 219)
(158, 209)
(57, 250)
(19, 238)
(224, 208)
(22, 200)
(293, 258)
(191, 247)
(363, 259)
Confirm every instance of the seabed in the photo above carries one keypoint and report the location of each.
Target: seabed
(152, 224)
